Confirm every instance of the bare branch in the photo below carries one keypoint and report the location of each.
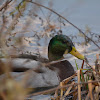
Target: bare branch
(59, 87)
(5, 5)
(64, 19)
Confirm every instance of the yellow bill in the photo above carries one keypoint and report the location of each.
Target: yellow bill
(75, 53)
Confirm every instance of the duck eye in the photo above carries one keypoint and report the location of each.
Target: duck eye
(64, 42)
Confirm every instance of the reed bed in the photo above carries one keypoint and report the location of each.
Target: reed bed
(86, 85)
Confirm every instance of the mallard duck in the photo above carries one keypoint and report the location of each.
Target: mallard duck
(48, 74)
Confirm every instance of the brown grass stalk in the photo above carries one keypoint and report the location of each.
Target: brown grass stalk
(79, 86)
(90, 89)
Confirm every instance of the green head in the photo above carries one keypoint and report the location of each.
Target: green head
(60, 45)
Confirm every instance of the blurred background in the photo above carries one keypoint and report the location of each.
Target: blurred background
(37, 25)
(26, 28)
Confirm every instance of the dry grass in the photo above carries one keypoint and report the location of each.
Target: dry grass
(86, 87)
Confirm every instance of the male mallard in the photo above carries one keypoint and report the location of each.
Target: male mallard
(53, 73)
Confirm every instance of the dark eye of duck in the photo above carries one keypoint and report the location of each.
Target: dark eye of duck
(63, 42)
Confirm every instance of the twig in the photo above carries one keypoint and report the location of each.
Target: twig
(59, 87)
(82, 64)
(92, 68)
(79, 86)
(90, 85)
(5, 5)
(64, 19)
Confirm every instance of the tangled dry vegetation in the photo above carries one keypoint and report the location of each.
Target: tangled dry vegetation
(86, 87)
(87, 83)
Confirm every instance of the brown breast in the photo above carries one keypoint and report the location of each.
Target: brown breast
(65, 69)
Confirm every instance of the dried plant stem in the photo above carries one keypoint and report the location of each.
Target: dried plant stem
(81, 72)
(97, 56)
(90, 89)
(68, 91)
(64, 19)
(79, 86)
(87, 97)
(61, 94)
(53, 89)
(5, 5)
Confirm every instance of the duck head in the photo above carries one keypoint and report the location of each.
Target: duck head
(60, 45)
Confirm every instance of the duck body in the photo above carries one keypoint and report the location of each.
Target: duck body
(40, 74)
